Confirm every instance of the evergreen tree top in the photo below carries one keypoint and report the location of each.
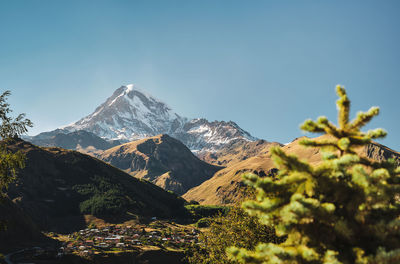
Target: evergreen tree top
(343, 210)
(347, 135)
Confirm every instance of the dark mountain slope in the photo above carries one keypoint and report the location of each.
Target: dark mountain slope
(80, 140)
(17, 229)
(58, 186)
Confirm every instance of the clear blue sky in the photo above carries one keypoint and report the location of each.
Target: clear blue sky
(267, 65)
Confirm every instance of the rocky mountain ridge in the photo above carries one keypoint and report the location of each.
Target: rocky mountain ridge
(236, 152)
(80, 140)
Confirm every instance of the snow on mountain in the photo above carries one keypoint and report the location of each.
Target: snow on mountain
(200, 134)
(131, 114)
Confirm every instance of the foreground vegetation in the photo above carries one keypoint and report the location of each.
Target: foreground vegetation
(202, 214)
(344, 210)
(10, 127)
(236, 228)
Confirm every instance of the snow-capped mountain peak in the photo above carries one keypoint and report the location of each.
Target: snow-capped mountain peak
(130, 113)
(129, 92)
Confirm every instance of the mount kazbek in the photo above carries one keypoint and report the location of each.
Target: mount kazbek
(131, 114)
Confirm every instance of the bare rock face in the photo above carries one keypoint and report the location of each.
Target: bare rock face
(237, 151)
(162, 160)
(379, 152)
(131, 114)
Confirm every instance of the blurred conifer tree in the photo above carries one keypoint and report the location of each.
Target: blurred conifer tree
(343, 210)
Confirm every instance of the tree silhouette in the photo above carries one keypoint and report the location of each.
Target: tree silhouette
(10, 128)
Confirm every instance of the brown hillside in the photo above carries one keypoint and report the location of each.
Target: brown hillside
(57, 187)
(162, 160)
(225, 186)
(238, 151)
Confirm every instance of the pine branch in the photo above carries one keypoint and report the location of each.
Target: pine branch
(364, 117)
(343, 105)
